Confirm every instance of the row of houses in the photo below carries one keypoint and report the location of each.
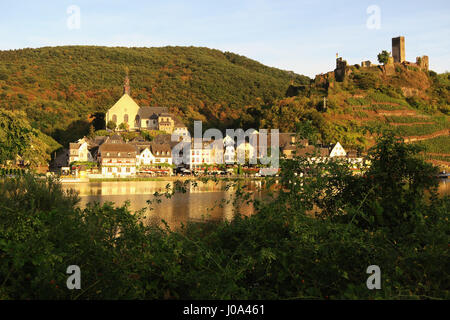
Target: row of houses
(115, 157)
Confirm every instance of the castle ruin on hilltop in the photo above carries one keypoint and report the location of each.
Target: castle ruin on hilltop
(398, 54)
(343, 69)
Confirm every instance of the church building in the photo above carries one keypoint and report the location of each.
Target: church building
(127, 111)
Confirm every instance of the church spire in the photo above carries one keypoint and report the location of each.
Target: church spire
(126, 84)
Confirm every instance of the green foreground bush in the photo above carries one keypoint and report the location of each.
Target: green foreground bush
(390, 217)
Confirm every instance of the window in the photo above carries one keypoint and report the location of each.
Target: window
(125, 118)
(128, 169)
(114, 118)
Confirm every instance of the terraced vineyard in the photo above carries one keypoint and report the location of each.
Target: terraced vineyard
(374, 112)
(437, 150)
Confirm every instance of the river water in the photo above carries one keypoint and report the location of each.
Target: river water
(209, 200)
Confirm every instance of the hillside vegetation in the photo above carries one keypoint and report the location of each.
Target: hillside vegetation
(409, 102)
(59, 86)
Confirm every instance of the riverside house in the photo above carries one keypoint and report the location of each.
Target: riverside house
(154, 154)
(117, 159)
(79, 151)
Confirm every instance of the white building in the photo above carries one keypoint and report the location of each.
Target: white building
(145, 158)
(155, 154)
(79, 152)
(117, 159)
(182, 131)
(201, 154)
(337, 151)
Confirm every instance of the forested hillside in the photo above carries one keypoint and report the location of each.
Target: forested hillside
(59, 87)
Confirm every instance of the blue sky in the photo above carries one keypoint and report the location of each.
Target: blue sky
(302, 36)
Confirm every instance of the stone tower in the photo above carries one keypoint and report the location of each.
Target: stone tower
(341, 70)
(398, 49)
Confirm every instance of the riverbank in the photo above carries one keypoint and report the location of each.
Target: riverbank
(162, 178)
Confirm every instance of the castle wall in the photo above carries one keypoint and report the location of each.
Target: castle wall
(423, 63)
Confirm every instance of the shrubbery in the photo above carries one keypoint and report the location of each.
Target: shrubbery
(390, 216)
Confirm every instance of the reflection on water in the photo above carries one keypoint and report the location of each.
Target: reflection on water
(205, 201)
(444, 187)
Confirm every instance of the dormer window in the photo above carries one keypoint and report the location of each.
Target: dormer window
(118, 154)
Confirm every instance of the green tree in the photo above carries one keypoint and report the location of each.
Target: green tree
(146, 135)
(383, 57)
(111, 125)
(392, 192)
(124, 126)
(91, 131)
(19, 139)
(307, 130)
